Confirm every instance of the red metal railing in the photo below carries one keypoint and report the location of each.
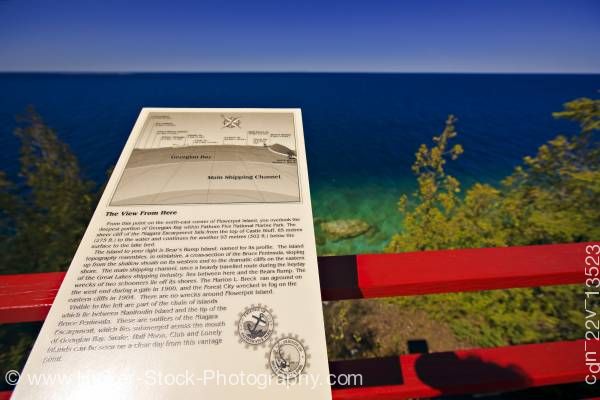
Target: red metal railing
(28, 297)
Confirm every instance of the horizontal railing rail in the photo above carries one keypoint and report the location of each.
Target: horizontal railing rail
(28, 297)
(446, 271)
(498, 369)
(464, 371)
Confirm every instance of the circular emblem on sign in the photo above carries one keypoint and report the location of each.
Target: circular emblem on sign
(255, 325)
(288, 357)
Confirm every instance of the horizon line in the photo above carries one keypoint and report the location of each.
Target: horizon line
(133, 72)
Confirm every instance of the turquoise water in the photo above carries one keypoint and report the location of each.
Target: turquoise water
(373, 203)
(361, 130)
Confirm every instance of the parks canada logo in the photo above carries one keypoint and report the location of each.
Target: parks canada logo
(255, 325)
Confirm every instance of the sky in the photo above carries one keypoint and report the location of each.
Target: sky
(506, 36)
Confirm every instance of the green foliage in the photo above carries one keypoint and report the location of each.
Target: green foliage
(505, 317)
(436, 196)
(44, 213)
(16, 341)
(8, 207)
(42, 218)
(584, 111)
(551, 198)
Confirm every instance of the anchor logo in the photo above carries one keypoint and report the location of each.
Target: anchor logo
(255, 325)
(259, 320)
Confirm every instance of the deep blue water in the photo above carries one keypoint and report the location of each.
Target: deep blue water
(362, 130)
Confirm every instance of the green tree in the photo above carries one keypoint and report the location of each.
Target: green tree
(436, 216)
(43, 215)
(436, 196)
(46, 210)
(551, 198)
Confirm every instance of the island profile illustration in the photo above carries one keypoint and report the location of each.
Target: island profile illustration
(211, 158)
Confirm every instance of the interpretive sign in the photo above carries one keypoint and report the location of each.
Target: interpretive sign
(197, 276)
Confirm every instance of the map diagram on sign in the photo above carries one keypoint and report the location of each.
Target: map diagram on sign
(212, 158)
